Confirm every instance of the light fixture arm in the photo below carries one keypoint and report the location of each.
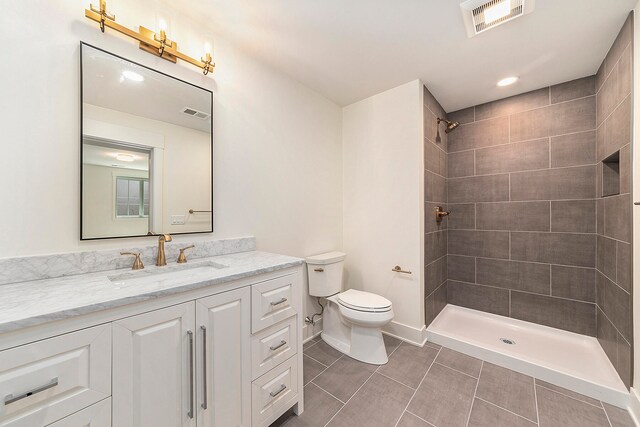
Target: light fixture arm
(157, 44)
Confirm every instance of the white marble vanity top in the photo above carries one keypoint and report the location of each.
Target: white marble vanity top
(35, 302)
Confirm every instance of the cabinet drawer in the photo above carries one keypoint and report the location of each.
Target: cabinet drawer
(48, 380)
(271, 302)
(272, 393)
(272, 346)
(96, 415)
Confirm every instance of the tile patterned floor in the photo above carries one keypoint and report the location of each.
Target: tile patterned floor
(435, 386)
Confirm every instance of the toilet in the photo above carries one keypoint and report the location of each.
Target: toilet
(352, 320)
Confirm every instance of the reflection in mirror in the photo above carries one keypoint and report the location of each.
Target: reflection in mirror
(146, 150)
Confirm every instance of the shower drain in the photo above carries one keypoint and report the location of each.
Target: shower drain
(507, 341)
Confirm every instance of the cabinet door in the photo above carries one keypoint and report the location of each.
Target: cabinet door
(96, 415)
(153, 369)
(224, 359)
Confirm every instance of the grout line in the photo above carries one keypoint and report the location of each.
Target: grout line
(420, 418)
(607, 415)
(566, 395)
(522, 171)
(312, 345)
(393, 379)
(460, 372)
(316, 360)
(416, 390)
(612, 324)
(323, 371)
(505, 409)
(343, 403)
(474, 394)
(351, 397)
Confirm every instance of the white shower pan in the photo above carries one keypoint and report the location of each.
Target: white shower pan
(573, 361)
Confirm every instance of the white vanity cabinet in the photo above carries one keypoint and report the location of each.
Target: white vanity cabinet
(215, 357)
(153, 368)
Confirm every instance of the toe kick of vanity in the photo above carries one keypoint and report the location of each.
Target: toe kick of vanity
(216, 356)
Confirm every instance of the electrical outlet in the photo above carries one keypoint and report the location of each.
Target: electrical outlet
(177, 219)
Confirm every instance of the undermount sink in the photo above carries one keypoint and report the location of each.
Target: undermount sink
(170, 272)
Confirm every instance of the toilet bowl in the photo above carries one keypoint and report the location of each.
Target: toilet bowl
(352, 320)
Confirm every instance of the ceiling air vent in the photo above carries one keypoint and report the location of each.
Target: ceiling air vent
(195, 113)
(482, 15)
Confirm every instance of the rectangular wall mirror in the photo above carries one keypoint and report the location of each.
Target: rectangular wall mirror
(147, 150)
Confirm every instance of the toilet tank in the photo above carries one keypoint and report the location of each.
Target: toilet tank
(325, 273)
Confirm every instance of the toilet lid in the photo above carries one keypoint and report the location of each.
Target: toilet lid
(360, 300)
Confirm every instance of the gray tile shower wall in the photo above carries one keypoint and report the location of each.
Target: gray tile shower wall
(522, 194)
(435, 194)
(613, 212)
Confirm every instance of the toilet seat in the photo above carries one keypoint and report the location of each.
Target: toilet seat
(364, 301)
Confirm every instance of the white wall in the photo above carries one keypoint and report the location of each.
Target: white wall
(99, 203)
(278, 168)
(384, 202)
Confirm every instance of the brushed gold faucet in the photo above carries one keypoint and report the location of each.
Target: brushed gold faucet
(161, 260)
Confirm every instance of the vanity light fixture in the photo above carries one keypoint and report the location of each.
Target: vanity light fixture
(507, 81)
(125, 157)
(150, 41)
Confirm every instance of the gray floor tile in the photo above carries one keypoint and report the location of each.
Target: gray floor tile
(556, 409)
(444, 398)
(311, 368)
(390, 343)
(618, 416)
(508, 389)
(319, 407)
(410, 420)
(567, 392)
(409, 363)
(344, 377)
(460, 362)
(484, 414)
(380, 402)
(311, 342)
(433, 345)
(323, 353)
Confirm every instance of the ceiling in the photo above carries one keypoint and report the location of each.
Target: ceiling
(349, 50)
(105, 155)
(158, 97)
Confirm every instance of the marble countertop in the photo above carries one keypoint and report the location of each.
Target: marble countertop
(40, 301)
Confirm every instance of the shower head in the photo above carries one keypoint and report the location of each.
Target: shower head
(450, 125)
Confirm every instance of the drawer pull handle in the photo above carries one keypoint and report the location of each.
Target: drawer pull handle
(280, 301)
(190, 413)
(11, 398)
(280, 390)
(319, 270)
(204, 367)
(275, 347)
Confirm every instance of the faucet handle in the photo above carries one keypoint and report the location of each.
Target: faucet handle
(137, 263)
(182, 258)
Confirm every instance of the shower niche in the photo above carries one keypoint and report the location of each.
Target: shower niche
(611, 175)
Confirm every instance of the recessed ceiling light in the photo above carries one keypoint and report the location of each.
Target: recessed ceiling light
(497, 11)
(133, 76)
(125, 157)
(507, 81)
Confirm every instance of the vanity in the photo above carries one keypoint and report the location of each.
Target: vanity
(207, 334)
(213, 342)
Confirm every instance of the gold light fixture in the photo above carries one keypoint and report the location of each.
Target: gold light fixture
(155, 43)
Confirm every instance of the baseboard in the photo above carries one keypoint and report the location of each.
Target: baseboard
(311, 331)
(406, 333)
(634, 406)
